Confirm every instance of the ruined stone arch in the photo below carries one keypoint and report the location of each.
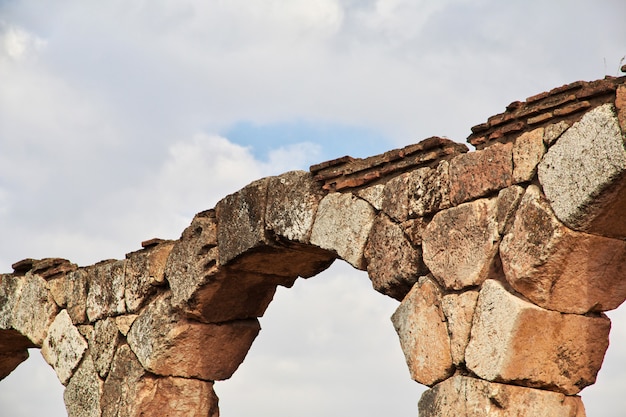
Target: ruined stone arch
(521, 240)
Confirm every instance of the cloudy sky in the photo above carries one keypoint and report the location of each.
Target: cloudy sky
(119, 120)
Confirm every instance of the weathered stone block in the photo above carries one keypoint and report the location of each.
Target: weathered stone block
(459, 311)
(471, 397)
(342, 225)
(169, 345)
(528, 150)
(64, 347)
(34, 310)
(557, 268)
(105, 295)
(508, 202)
(554, 131)
(477, 174)
(10, 291)
(373, 195)
(102, 344)
(460, 244)
(584, 175)
(620, 105)
(122, 389)
(421, 326)
(144, 272)
(517, 342)
(125, 322)
(292, 200)
(393, 263)
(83, 392)
(75, 286)
(242, 215)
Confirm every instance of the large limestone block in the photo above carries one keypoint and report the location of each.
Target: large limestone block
(35, 309)
(170, 345)
(459, 311)
(105, 296)
(528, 150)
(463, 396)
(76, 288)
(342, 225)
(241, 221)
(10, 291)
(584, 174)
(144, 273)
(421, 326)
(517, 342)
(102, 344)
(393, 263)
(292, 200)
(477, 174)
(460, 243)
(417, 193)
(83, 392)
(557, 268)
(64, 347)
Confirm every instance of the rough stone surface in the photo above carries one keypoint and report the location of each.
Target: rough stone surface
(144, 273)
(342, 225)
(584, 175)
(10, 291)
(102, 344)
(105, 295)
(508, 202)
(460, 244)
(121, 389)
(560, 269)
(292, 200)
(515, 341)
(393, 264)
(528, 150)
(169, 345)
(420, 324)
(554, 131)
(75, 284)
(620, 105)
(459, 312)
(242, 214)
(64, 347)
(125, 322)
(373, 195)
(471, 397)
(82, 393)
(176, 397)
(477, 174)
(34, 310)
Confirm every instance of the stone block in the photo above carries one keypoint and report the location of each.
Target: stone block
(242, 214)
(125, 322)
(342, 225)
(292, 200)
(508, 202)
(620, 105)
(470, 397)
(123, 387)
(83, 392)
(105, 296)
(480, 173)
(64, 347)
(560, 269)
(373, 195)
(393, 263)
(516, 342)
(554, 131)
(103, 342)
(76, 288)
(34, 310)
(459, 311)
(144, 272)
(460, 244)
(176, 397)
(421, 326)
(528, 150)
(167, 344)
(584, 175)
(10, 291)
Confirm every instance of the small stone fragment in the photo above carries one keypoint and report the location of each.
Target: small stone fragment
(125, 322)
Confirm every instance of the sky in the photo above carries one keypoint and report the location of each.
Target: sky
(120, 120)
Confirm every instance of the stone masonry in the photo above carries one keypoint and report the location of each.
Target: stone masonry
(503, 261)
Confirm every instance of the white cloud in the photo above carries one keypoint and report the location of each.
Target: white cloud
(17, 44)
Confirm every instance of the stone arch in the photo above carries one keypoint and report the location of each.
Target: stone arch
(521, 240)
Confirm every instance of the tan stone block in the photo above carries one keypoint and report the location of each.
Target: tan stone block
(393, 263)
(84, 390)
(35, 309)
(480, 173)
(620, 105)
(459, 311)
(123, 386)
(176, 397)
(553, 131)
(373, 195)
(470, 397)
(76, 288)
(10, 291)
(421, 326)
(515, 341)
(64, 347)
(144, 273)
(583, 175)
(103, 342)
(461, 243)
(169, 345)
(557, 268)
(105, 296)
(342, 225)
(125, 322)
(528, 150)
(508, 202)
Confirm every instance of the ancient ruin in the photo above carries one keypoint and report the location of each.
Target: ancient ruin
(503, 261)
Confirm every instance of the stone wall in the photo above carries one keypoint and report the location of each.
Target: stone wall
(503, 259)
